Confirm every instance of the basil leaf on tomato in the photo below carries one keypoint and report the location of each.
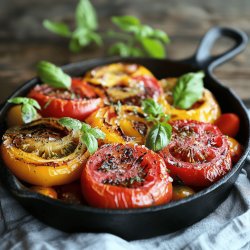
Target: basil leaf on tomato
(188, 90)
(53, 75)
(90, 141)
(159, 136)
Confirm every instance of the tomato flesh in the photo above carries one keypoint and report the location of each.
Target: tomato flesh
(198, 153)
(125, 176)
(78, 102)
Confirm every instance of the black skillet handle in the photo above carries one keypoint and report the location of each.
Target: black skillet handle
(205, 60)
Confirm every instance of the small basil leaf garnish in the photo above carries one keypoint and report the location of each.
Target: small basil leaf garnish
(53, 75)
(159, 136)
(70, 123)
(28, 108)
(90, 141)
(188, 90)
(88, 134)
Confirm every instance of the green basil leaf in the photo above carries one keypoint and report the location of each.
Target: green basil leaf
(19, 100)
(145, 31)
(90, 141)
(161, 35)
(57, 28)
(86, 16)
(95, 37)
(34, 103)
(136, 52)
(153, 47)
(28, 113)
(53, 75)
(28, 110)
(158, 137)
(85, 127)
(70, 123)
(188, 90)
(74, 45)
(127, 23)
(25, 100)
(81, 35)
(168, 129)
(97, 133)
(151, 107)
(120, 48)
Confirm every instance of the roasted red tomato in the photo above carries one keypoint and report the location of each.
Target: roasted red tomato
(78, 102)
(127, 83)
(228, 124)
(125, 176)
(198, 153)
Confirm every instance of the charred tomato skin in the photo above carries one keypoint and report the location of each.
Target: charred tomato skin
(78, 102)
(121, 176)
(198, 153)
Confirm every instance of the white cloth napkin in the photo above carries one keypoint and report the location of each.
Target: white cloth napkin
(228, 227)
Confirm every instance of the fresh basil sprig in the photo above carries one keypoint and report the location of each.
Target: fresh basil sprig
(53, 75)
(188, 90)
(160, 134)
(154, 111)
(85, 31)
(28, 108)
(137, 39)
(89, 135)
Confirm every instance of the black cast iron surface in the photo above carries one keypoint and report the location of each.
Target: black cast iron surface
(147, 222)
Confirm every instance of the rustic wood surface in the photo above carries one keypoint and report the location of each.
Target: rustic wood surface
(23, 40)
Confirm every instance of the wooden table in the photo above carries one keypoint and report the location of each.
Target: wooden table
(23, 40)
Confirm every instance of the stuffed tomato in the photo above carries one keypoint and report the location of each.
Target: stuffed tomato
(206, 109)
(125, 176)
(77, 102)
(126, 83)
(198, 154)
(44, 153)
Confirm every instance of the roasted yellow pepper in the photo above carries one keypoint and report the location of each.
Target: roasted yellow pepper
(115, 73)
(44, 153)
(120, 124)
(206, 109)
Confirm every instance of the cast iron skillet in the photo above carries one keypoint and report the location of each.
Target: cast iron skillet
(147, 222)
